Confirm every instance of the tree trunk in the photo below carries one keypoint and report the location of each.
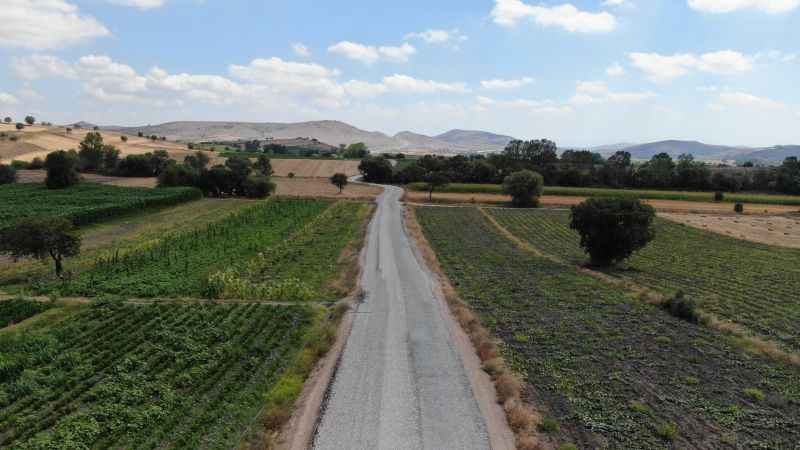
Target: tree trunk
(59, 268)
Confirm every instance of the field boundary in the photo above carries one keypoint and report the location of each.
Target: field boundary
(510, 421)
(741, 336)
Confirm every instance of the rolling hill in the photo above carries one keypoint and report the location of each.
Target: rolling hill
(327, 131)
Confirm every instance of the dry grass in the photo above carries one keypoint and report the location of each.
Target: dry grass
(322, 188)
(783, 231)
(521, 417)
(567, 201)
(314, 168)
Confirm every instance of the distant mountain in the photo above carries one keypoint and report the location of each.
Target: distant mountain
(676, 148)
(772, 154)
(480, 140)
(327, 131)
(610, 149)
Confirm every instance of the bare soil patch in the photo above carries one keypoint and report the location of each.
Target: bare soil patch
(783, 231)
(565, 201)
(318, 187)
(313, 168)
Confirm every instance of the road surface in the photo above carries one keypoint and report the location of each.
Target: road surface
(401, 383)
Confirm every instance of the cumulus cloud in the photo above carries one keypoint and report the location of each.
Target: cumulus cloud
(509, 13)
(45, 24)
(7, 99)
(141, 4)
(592, 87)
(748, 100)
(663, 68)
(591, 92)
(726, 6)
(506, 84)
(37, 66)
(615, 70)
(301, 50)
(440, 37)
(405, 84)
(533, 106)
(369, 54)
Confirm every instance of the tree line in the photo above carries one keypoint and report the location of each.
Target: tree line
(581, 168)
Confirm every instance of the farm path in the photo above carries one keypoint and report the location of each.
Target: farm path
(401, 383)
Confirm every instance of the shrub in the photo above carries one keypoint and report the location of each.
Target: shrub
(258, 187)
(682, 307)
(525, 187)
(291, 174)
(549, 425)
(755, 394)
(36, 164)
(8, 174)
(668, 431)
(20, 165)
(62, 169)
(20, 126)
(30, 120)
(719, 196)
(177, 175)
(339, 180)
(739, 208)
(612, 229)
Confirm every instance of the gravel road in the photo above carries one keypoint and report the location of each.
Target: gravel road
(401, 383)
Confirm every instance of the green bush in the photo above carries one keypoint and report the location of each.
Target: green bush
(62, 169)
(8, 174)
(739, 208)
(719, 196)
(682, 307)
(258, 187)
(525, 187)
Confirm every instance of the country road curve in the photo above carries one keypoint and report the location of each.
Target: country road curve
(401, 383)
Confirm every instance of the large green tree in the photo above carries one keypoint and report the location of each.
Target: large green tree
(54, 238)
(525, 187)
(62, 169)
(611, 229)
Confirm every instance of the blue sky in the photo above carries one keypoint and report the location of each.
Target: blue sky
(585, 72)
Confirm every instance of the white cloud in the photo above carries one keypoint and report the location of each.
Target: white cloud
(583, 99)
(506, 84)
(358, 88)
(663, 68)
(726, 6)
(534, 106)
(404, 84)
(301, 50)
(615, 70)
(616, 3)
(777, 55)
(35, 67)
(141, 4)
(7, 99)
(630, 97)
(45, 24)
(748, 100)
(305, 80)
(440, 37)
(398, 54)
(510, 12)
(369, 54)
(592, 87)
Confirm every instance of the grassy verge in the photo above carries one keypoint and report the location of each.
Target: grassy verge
(85, 203)
(766, 199)
(604, 369)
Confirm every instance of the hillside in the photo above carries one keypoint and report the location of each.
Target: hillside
(327, 131)
(772, 154)
(676, 148)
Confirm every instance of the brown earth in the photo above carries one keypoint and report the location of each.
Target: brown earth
(314, 168)
(564, 201)
(37, 141)
(783, 231)
(38, 176)
(320, 187)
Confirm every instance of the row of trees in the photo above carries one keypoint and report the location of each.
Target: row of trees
(238, 177)
(584, 169)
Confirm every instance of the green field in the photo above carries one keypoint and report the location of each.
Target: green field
(766, 199)
(16, 310)
(114, 375)
(85, 203)
(612, 371)
(751, 284)
(275, 250)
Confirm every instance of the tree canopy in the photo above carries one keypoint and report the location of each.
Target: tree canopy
(40, 239)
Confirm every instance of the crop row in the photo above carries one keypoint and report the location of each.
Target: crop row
(179, 265)
(689, 196)
(145, 376)
(302, 267)
(752, 284)
(612, 372)
(85, 203)
(16, 310)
